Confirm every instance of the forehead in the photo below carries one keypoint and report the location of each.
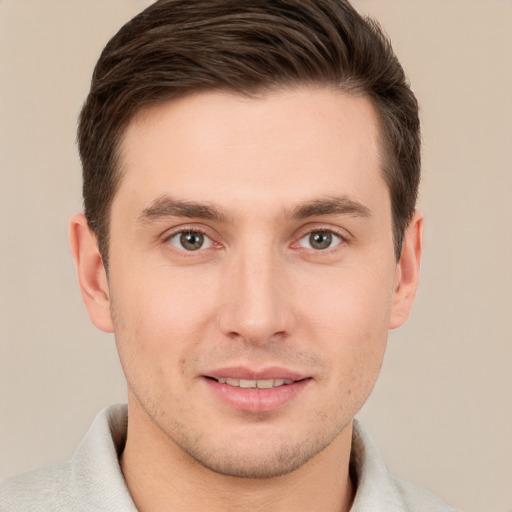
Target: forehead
(285, 145)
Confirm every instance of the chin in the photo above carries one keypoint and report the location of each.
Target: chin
(259, 457)
(256, 466)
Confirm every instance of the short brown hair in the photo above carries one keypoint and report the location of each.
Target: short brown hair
(176, 47)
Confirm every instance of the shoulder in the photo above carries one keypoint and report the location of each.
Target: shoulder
(418, 499)
(42, 489)
(90, 480)
(378, 490)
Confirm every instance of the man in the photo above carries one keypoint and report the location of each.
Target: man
(249, 236)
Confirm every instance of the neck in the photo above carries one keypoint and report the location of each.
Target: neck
(161, 477)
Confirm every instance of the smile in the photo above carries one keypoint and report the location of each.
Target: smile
(254, 384)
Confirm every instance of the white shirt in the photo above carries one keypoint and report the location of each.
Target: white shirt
(92, 480)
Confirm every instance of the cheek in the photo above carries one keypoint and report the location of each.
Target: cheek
(159, 320)
(160, 298)
(353, 302)
(349, 319)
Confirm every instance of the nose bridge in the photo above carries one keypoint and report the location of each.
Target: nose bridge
(255, 307)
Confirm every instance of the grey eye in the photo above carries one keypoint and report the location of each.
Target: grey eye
(320, 240)
(190, 240)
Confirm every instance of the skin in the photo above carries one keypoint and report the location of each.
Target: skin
(260, 179)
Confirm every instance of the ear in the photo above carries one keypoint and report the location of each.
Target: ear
(91, 273)
(407, 273)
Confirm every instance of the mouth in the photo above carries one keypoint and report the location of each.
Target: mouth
(254, 384)
(256, 392)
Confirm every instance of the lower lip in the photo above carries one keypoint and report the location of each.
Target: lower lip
(254, 399)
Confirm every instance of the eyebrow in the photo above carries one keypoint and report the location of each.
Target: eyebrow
(166, 206)
(332, 205)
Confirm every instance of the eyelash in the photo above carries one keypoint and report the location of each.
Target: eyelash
(192, 231)
(343, 240)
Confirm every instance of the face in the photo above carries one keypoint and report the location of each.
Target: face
(252, 277)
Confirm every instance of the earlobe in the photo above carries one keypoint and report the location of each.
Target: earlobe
(407, 272)
(91, 273)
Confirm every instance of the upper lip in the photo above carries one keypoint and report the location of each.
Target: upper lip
(241, 372)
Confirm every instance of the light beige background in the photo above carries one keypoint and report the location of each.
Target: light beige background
(442, 410)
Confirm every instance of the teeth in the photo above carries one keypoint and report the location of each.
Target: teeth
(248, 383)
(265, 384)
(252, 384)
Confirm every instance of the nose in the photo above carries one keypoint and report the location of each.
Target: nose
(256, 306)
